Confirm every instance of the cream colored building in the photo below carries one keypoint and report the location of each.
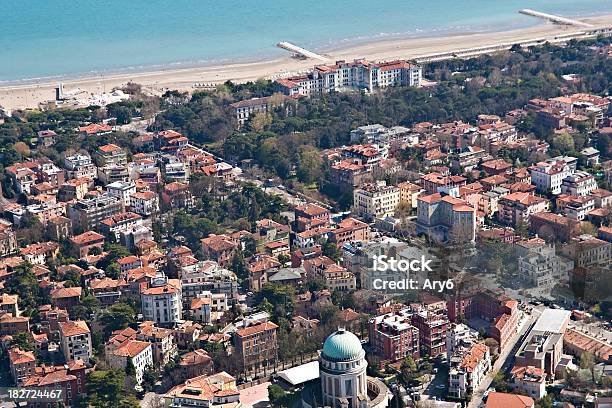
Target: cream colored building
(378, 200)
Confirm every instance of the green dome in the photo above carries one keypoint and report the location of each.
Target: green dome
(342, 346)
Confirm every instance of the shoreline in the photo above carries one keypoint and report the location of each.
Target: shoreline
(156, 81)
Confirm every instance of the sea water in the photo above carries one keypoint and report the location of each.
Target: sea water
(42, 39)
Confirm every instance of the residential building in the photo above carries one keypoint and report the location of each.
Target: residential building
(433, 328)
(87, 214)
(539, 266)
(122, 190)
(83, 244)
(21, 364)
(357, 74)
(575, 207)
(393, 337)
(37, 254)
(74, 189)
(117, 223)
(350, 230)
(468, 367)
(548, 176)
(162, 302)
(70, 378)
(409, 193)
(177, 195)
(219, 248)
(256, 346)
(530, 381)
(244, 109)
(214, 391)
(579, 183)
(333, 275)
(516, 208)
(162, 342)
(309, 216)
(373, 201)
(75, 340)
(145, 203)
(80, 166)
(138, 353)
(111, 154)
(66, 298)
(504, 400)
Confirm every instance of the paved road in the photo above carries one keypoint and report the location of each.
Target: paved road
(509, 351)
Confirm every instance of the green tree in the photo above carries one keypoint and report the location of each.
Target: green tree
(118, 316)
(276, 395)
(309, 168)
(106, 388)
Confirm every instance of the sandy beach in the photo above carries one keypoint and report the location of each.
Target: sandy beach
(31, 94)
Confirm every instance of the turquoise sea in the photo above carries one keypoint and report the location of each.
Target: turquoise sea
(55, 38)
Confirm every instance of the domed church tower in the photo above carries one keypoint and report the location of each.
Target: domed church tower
(343, 379)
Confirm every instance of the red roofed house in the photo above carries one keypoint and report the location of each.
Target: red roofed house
(517, 207)
(70, 378)
(84, 243)
(65, 298)
(96, 128)
(75, 340)
(504, 400)
(140, 353)
(219, 248)
(308, 216)
(21, 363)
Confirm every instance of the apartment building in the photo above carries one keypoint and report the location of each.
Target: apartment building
(333, 275)
(393, 337)
(75, 340)
(515, 208)
(111, 154)
(121, 190)
(309, 216)
(468, 367)
(145, 203)
(548, 175)
(213, 391)
(177, 195)
(579, 183)
(433, 329)
(575, 207)
(80, 165)
(162, 342)
(346, 75)
(117, 223)
(409, 193)
(87, 214)
(22, 364)
(162, 301)
(373, 201)
(256, 346)
(539, 267)
(530, 381)
(349, 230)
(135, 352)
(436, 182)
(83, 244)
(208, 276)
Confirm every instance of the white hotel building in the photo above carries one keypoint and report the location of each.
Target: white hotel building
(359, 74)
